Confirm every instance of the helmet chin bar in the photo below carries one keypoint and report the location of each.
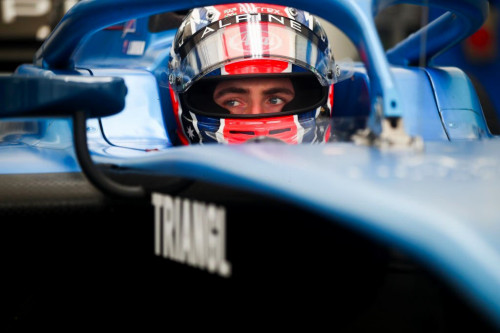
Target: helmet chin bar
(266, 139)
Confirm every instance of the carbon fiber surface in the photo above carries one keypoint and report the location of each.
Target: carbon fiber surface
(61, 193)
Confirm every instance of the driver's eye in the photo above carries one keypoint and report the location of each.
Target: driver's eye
(232, 103)
(276, 100)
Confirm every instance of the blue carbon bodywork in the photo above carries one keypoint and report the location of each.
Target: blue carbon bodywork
(37, 146)
(439, 203)
(481, 62)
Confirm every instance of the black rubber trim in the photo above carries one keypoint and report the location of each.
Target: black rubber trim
(93, 173)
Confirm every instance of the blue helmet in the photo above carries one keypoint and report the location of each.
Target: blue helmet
(245, 71)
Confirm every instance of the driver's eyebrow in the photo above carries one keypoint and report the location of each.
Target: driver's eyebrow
(230, 90)
(270, 91)
(278, 90)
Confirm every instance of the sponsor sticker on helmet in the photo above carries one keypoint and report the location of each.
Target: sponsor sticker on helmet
(267, 41)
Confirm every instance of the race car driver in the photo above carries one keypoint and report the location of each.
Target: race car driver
(241, 72)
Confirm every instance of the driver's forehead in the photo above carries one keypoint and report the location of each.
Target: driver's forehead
(254, 84)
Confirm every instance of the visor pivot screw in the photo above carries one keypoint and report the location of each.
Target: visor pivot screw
(210, 15)
(293, 12)
(174, 80)
(337, 70)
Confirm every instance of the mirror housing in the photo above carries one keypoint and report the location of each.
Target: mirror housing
(26, 96)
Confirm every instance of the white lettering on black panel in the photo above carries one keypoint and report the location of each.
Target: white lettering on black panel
(191, 232)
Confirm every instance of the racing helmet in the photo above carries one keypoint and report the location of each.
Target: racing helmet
(251, 71)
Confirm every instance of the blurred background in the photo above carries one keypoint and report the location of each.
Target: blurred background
(25, 24)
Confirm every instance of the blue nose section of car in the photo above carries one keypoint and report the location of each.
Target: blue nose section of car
(441, 205)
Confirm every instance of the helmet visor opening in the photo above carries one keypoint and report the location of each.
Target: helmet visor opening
(247, 96)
